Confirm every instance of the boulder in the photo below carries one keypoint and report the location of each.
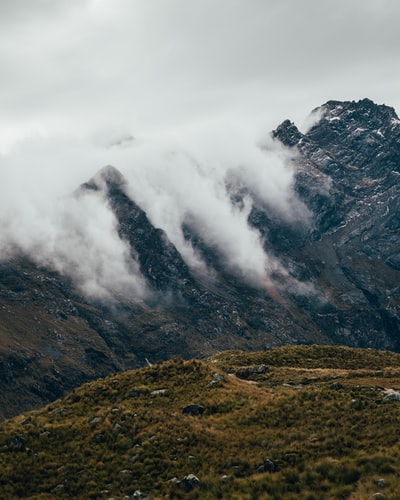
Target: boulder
(193, 410)
(139, 495)
(17, 443)
(189, 482)
(267, 466)
(391, 395)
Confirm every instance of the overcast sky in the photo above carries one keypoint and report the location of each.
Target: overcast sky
(88, 68)
(210, 78)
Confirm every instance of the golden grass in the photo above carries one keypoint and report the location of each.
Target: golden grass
(328, 430)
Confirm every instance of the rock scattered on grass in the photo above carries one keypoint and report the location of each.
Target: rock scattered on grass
(193, 410)
(267, 466)
(189, 482)
(391, 395)
(139, 495)
(17, 443)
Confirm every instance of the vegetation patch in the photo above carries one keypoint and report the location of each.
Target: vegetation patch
(218, 428)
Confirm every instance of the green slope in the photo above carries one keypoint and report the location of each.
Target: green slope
(321, 415)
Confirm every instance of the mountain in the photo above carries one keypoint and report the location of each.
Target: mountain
(340, 284)
(292, 422)
(349, 168)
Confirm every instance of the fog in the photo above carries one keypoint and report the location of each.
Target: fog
(174, 179)
(190, 185)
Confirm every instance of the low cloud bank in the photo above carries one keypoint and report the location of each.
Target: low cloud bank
(175, 179)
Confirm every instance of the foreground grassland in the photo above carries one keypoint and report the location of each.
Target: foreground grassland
(291, 423)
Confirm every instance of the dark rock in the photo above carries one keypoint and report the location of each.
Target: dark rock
(189, 482)
(356, 404)
(193, 410)
(17, 443)
(99, 438)
(251, 371)
(139, 495)
(288, 133)
(134, 393)
(267, 466)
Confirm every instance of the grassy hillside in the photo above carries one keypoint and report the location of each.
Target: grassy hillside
(295, 422)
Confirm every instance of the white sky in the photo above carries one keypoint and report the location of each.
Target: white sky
(88, 68)
(210, 78)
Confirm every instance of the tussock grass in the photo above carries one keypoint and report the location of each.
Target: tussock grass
(318, 412)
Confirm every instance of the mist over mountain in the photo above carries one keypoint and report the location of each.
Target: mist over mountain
(189, 251)
(78, 235)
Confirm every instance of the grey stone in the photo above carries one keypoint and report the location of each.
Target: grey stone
(94, 420)
(216, 380)
(159, 392)
(391, 395)
(126, 472)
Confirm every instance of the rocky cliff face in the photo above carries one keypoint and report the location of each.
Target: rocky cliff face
(349, 169)
(347, 174)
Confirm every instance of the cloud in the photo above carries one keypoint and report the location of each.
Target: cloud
(78, 238)
(175, 179)
(75, 67)
(184, 181)
(75, 235)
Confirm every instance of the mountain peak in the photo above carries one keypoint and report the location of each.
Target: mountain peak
(365, 112)
(338, 120)
(110, 176)
(106, 178)
(287, 133)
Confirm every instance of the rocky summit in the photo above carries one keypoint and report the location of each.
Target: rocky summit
(348, 175)
(341, 284)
